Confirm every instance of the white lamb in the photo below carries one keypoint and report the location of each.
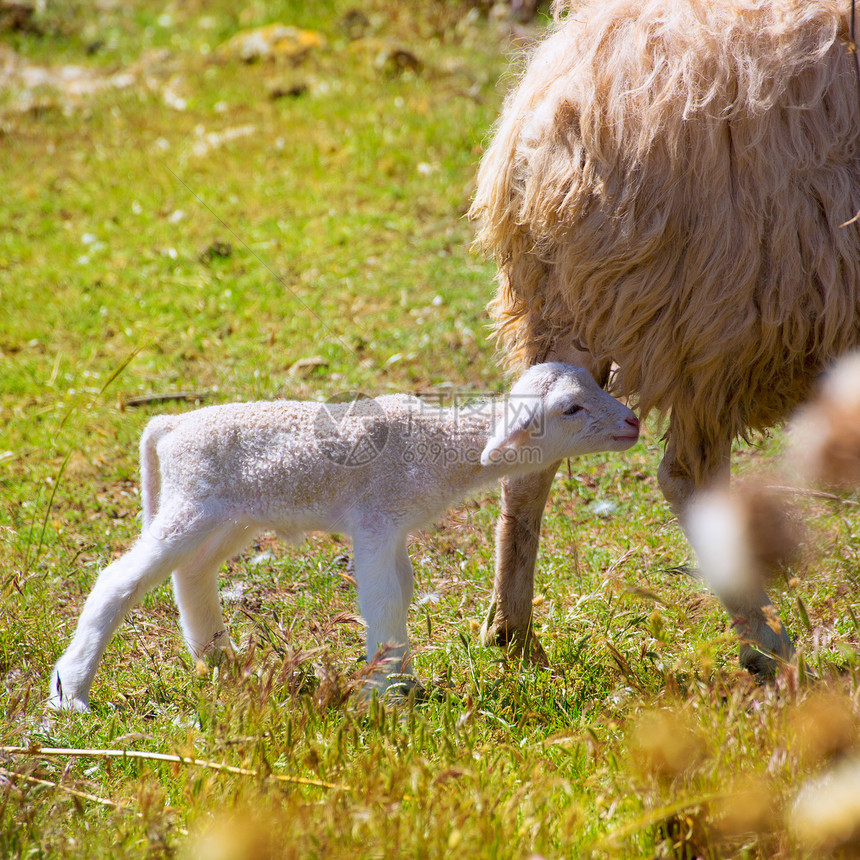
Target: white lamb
(376, 470)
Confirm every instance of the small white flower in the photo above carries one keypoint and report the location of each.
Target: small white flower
(174, 100)
(604, 508)
(233, 593)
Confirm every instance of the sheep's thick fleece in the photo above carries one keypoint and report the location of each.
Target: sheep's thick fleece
(669, 184)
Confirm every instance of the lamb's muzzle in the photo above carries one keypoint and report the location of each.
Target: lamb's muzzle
(374, 469)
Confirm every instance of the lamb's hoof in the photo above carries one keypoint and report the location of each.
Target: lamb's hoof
(220, 650)
(59, 700)
(213, 666)
(394, 689)
(75, 706)
(496, 631)
(403, 687)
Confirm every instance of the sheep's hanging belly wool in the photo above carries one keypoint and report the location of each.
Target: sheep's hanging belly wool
(669, 183)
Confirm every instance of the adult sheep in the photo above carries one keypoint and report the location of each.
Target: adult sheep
(667, 189)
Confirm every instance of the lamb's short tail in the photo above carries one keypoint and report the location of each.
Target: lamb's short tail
(150, 468)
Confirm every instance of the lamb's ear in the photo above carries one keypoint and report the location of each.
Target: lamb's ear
(513, 429)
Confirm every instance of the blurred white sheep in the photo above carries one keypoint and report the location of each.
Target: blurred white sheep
(746, 535)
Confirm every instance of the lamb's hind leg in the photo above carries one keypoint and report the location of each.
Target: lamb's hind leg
(119, 587)
(195, 587)
(753, 614)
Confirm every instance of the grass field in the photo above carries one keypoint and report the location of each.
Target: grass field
(177, 220)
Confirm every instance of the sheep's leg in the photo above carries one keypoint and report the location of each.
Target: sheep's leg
(509, 618)
(762, 633)
(119, 587)
(195, 587)
(675, 478)
(383, 574)
(753, 614)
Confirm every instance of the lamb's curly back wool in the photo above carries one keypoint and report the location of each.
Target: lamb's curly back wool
(667, 183)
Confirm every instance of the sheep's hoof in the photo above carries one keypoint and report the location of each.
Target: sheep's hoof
(518, 642)
(760, 664)
(768, 650)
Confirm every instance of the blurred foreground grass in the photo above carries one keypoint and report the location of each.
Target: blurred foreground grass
(177, 220)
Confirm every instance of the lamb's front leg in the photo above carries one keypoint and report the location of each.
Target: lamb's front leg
(383, 574)
(509, 618)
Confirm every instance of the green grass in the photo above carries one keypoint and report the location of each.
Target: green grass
(150, 250)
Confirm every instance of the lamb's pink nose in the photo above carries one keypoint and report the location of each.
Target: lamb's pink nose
(633, 421)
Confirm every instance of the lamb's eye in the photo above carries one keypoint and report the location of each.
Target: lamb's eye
(572, 410)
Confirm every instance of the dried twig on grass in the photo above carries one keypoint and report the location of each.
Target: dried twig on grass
(813, 494)
(169, 757)
(84, 795)
(74, 792)
(144, 399)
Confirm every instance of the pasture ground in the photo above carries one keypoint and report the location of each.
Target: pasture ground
(176, 219)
